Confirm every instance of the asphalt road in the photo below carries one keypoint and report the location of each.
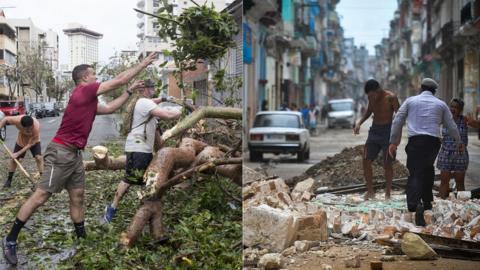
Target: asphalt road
(104, 128)
(331, 141)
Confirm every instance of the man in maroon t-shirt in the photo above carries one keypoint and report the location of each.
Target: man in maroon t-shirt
(63, 159)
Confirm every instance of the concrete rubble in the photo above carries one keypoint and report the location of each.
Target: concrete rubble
(416, 249)
(290, 223)
(271, 261)
(345, 168)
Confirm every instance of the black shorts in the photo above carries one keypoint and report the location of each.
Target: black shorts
(36, 150)
(137, 163)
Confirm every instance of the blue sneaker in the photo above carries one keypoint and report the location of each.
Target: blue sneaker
(109, 213)
(10, 251)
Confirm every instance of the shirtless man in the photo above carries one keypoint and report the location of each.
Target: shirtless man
(382, 104)
(28, 139)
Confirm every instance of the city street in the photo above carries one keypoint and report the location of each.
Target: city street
(104, 128)
(331, 141)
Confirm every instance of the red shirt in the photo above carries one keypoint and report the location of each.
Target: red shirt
(79, 115)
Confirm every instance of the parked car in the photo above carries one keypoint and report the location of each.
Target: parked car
(341, 112)
(12, 107)
(37, 110)
(279, 132)
(51, 109)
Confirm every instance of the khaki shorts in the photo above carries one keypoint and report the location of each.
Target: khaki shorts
(63, 169)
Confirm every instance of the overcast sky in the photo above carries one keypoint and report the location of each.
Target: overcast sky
(367, 21)
(115, 19)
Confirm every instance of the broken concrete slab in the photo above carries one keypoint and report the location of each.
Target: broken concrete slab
(303, 190)
(415, 248)
(304, 245)
(274, 193)
(271, 261)
(312, 227)
(268, 228)
(249, 175)
(289, 251)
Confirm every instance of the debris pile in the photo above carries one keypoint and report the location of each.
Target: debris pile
(346, 168)
(280, 222)
(350, 215)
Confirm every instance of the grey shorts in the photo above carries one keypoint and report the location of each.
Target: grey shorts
(378, 140)
(63, 169)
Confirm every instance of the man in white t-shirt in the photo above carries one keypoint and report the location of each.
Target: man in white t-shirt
(140, 141)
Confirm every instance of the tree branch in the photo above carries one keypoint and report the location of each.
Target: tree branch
(197, 115)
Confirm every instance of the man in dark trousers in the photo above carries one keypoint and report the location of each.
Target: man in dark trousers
(424, 114)
(382, 104)
(63, 167)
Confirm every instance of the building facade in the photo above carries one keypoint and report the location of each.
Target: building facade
(438, 39)
(82, 45)
(8, 50)
(292, 54)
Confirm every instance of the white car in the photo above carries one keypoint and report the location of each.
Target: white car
(341, 113)
(279, 132)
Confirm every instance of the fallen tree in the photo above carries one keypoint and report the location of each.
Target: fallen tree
(172, 165)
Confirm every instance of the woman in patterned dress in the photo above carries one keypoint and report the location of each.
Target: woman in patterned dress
(451, 162)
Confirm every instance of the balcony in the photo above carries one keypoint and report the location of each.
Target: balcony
(141, 3)
(444, 37)
(141, 24)
(261, 7)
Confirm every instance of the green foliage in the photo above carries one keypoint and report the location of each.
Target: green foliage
(33, 69)
(204, 225)
(119, 64)
(199, 33)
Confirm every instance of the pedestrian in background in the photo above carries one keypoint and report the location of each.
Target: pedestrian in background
(312, 119)
(424, 114)
(304, 110)
(265, 105)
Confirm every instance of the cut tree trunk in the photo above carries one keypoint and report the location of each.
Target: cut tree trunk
(101, 160)
(189, 154)
(192, 155)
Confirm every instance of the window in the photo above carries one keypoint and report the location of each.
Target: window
(9, 57)
(156, 3)
(277, 120)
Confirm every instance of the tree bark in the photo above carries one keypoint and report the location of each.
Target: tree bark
(197, 115)
(190, 153)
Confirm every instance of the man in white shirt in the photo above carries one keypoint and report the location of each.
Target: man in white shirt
(424, 114)
(140, 141)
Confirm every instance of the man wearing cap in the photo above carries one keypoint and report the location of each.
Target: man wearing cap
(424, 114)
(63, 163)
(140, 141)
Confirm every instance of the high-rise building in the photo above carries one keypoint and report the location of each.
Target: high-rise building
(82, 44)
(8, 49)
